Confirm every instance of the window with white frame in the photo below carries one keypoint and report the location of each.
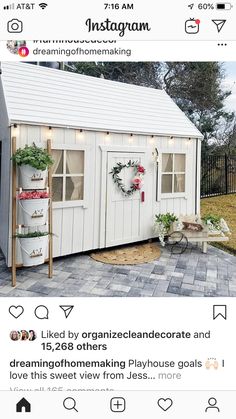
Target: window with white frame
(68, 175)
(173, 173)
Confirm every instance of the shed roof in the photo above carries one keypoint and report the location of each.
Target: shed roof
(45, 96)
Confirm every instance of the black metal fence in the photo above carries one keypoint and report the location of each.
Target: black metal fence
(218, 175)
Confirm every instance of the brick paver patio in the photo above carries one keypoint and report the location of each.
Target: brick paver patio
(192, 274)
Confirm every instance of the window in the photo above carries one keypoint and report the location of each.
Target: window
(173, 173)
(68, 175)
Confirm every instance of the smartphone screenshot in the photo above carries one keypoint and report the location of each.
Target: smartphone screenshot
(117, 209)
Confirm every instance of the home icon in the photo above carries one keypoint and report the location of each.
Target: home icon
(23, 406)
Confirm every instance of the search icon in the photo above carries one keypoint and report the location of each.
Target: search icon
(70, 404)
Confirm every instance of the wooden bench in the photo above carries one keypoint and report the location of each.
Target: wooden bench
(202, 237)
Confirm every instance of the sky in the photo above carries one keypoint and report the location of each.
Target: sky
(230, 83)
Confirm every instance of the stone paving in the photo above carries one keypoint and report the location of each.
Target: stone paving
(192, 274)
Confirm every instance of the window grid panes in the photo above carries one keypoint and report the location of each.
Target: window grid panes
(68, 175)
(173, 173)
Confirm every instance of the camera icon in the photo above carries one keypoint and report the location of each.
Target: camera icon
(15, 26)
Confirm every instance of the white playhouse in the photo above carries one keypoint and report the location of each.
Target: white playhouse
(97, 127)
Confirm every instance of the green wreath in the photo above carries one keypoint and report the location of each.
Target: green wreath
(136, 183)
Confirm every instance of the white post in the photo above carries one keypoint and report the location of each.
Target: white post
(204, 247)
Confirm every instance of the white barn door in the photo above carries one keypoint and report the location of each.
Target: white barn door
(124, 215)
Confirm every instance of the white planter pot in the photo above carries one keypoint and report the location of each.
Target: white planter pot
(34, 211)
(33, 250)
(32, 178)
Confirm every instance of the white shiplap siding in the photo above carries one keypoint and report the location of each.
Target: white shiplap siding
(38, 95)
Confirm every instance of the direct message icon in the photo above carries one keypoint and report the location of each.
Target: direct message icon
(165, 404)
(219, 311)
(67, 309)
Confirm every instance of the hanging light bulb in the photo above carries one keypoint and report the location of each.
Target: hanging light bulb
(15, 130)
(107, 136)
(49, 133)
(79, 135)
(152, 140)
(131, 138)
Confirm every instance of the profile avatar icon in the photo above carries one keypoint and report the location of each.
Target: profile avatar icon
(24, 335)
(15, 335)
(32, 335)
(212, 402)
(14, 46)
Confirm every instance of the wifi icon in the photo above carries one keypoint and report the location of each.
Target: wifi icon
(43, 5)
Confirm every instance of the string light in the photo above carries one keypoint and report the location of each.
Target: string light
(15, 130)
(131, 138)
(79, 134)
(49, 132)
(107, 136)
(151, 140)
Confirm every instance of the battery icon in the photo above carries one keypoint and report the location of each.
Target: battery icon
(224, 6)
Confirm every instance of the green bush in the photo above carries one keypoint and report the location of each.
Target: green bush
(33, 156)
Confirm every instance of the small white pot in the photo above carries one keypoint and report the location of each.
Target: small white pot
(33, 250)
(32, 178)
(34, 211)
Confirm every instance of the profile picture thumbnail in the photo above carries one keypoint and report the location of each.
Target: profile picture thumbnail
(23, 335)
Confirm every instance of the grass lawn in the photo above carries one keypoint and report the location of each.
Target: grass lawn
(224, 206)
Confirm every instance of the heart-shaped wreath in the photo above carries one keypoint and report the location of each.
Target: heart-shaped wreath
(137, 181)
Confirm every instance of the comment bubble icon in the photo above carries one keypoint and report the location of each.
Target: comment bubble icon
(41, 312)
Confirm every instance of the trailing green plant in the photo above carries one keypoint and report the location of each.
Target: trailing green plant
(33, 156)
(31, 235)
(166, 219)
(216, 223)
(163, 223)
(212, 218)
(213, 221)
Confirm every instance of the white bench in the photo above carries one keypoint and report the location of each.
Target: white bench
(202, 237)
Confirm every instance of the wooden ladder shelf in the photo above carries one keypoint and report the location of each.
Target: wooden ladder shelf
(15, 225)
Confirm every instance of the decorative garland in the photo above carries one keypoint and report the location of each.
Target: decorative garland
(137, 181)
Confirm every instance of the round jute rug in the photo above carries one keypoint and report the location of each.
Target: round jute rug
(128, 255)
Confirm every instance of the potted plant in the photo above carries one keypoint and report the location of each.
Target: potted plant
(33, 162)
(34, 205)
(216, 224)
(163, 224)
(33, 247)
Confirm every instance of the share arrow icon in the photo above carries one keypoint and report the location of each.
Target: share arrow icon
(67, 310)
(219, 24)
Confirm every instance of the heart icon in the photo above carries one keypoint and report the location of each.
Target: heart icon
(16, 311)
(165, 404)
